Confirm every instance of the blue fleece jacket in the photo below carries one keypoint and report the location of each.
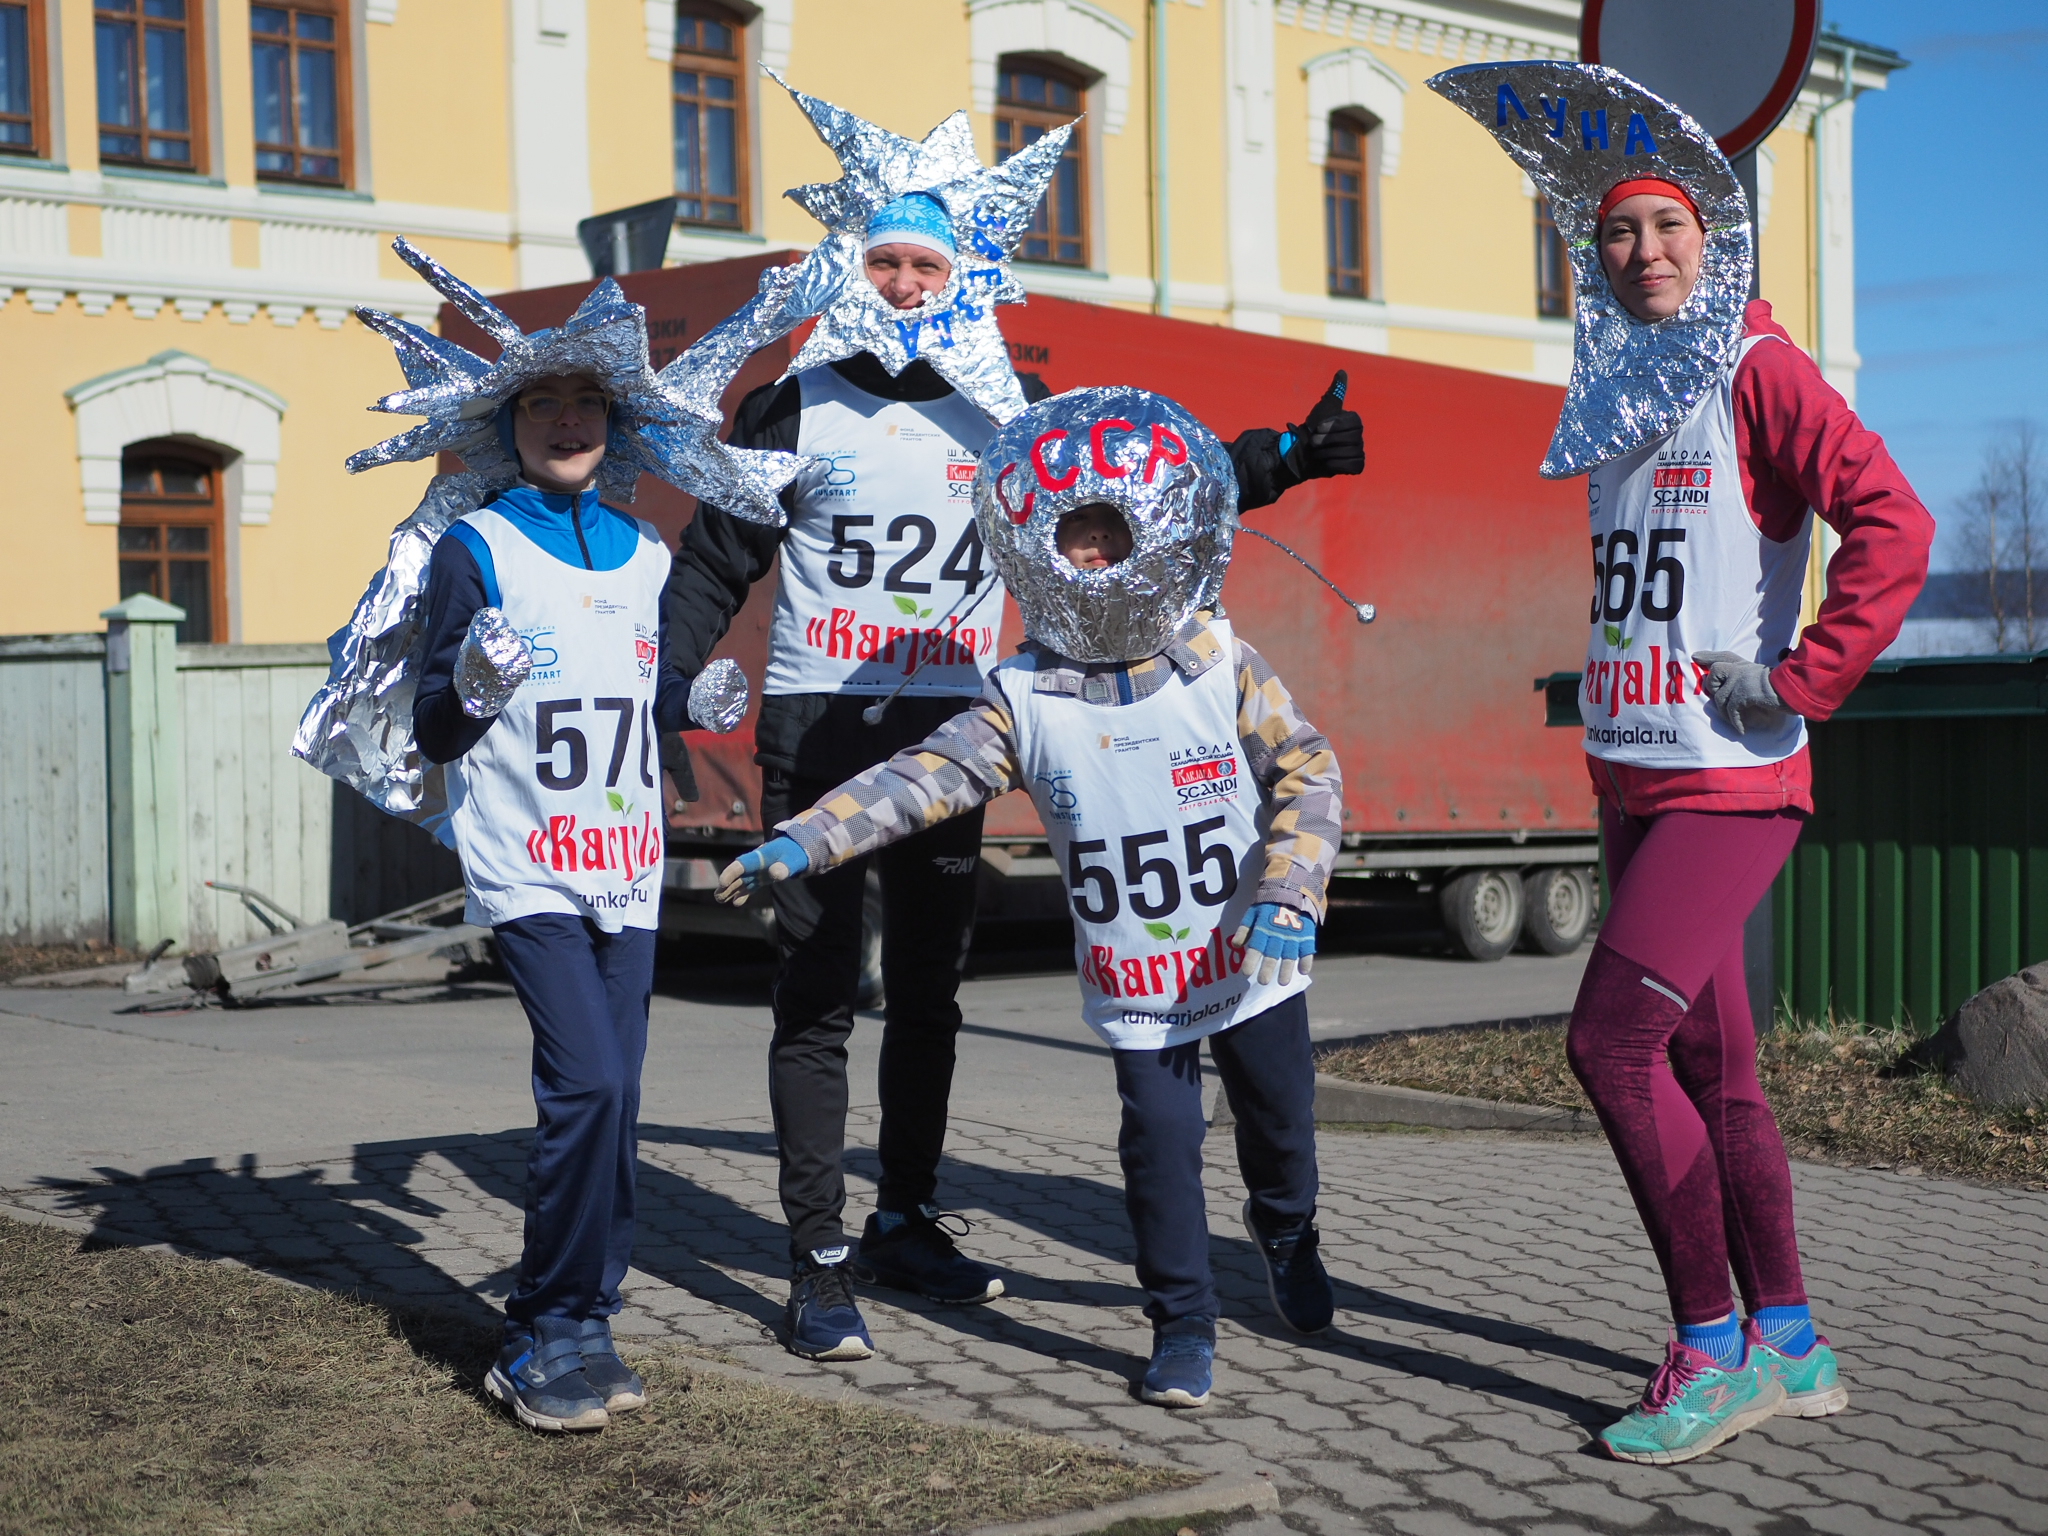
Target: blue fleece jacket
(461, 578)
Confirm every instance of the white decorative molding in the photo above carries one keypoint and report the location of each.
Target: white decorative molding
(659, 17)
(148, 238)
(1456, 34)
(778, 33)
(95, 303)
(176, 394)
(1070, 29)
(145, 306)
(383, 12)
(194, 308)
(44, 301)
(550, 151)
(558, 20)
(1251, 165)
(324, 252)
(1766, 186)
(34, 230)
(286, 315)
(1354, 77)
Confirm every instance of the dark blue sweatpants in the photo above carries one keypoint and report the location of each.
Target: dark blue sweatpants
(1269, 1073)
(585, 992)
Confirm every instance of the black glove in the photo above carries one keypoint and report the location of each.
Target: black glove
(1330, 442)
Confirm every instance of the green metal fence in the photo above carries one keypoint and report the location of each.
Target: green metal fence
(1923, 875)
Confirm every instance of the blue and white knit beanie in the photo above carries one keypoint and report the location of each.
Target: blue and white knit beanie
(916, 218)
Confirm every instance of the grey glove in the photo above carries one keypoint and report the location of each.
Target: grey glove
(718, 697)
(1741, 690)
(493, 662)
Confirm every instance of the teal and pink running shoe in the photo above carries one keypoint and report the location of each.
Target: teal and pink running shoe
(1813, 1384)
(1693, 1405)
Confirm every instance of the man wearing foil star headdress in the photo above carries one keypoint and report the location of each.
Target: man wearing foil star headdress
(524, 670)
(1199, 814)
(1709, 441)
(885, 590)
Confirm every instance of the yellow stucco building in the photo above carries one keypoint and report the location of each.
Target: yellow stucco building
(194, 193)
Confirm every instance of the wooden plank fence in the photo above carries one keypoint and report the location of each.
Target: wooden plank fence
(53, 789)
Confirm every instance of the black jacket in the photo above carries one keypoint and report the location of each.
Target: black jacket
(820, 736)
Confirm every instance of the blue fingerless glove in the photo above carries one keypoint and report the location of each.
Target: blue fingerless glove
(1284, 938)
(778, 859)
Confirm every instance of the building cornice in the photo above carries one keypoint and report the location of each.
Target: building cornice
(1469, 33)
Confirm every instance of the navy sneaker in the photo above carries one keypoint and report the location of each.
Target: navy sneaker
(824, 1322)
(1183, 1363)
(610, 1377)
(1300, 1287)
(539, 1376)
(918, 1255)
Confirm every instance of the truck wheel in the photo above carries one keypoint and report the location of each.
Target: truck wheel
(1483, 911)
(1559, 910)
(869, 992)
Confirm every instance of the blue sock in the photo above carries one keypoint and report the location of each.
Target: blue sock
(1788, 1330)
(1722, 1340)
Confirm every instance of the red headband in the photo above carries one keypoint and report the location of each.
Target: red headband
(1627, 189)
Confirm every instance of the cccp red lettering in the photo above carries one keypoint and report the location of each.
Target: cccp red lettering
(1046, 477)
(1167, 445)
(1100, 454)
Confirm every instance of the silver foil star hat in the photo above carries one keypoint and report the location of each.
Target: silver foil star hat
(1578, 130)
(1147, 457)
(991, 209)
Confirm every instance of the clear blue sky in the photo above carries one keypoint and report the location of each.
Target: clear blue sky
(1951, 216)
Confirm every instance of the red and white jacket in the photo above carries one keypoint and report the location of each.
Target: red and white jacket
(1799, 445)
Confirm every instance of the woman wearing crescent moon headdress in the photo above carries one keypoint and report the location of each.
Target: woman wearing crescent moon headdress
(1708, 441)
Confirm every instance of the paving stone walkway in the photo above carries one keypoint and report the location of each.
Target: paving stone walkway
(1496, 1306)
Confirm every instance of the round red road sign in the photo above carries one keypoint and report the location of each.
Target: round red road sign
(1734, 66)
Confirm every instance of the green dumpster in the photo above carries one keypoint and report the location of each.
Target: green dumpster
(1923, 875)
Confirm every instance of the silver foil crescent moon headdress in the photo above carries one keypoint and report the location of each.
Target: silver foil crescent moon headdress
(1577, 130)
(991, 209)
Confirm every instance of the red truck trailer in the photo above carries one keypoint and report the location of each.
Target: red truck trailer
(1476, 565)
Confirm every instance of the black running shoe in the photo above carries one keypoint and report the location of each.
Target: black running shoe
(918, 1255)
(824, 1320)
(610, 1377)
(539, 1376)
(1295, 1278)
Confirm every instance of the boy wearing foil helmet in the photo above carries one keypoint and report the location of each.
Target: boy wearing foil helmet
(884, 590)
(1197, 813)
(533, 657)
(1707, 438)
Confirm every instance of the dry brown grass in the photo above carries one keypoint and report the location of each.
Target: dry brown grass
(141, 1392)
(19, 960)
(1842, 1093)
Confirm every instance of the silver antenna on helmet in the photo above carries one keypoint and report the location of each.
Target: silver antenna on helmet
(874, 712)
(1365, 611)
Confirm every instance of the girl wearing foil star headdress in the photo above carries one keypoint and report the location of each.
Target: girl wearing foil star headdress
(1197, 812)
(1706, 437)
(523, 672)
(884, 592)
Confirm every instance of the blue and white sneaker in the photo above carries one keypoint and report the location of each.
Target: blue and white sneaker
(824, 1321)
(918, 1254)
(610, 1377)
(1303, 1297)
(539, 1376)
(1183, 1363)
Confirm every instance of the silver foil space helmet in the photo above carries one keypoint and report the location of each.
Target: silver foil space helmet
(1579, 130)
(1164, 472)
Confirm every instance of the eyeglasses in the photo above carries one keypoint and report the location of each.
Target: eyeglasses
(550, 407)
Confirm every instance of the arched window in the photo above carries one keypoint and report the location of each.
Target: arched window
(710, 116)
(1347, 205)
(1553, 267)
(171, 533)
(1032, 97)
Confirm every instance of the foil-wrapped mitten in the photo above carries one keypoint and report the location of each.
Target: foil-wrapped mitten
(718, 698)
(493, 662)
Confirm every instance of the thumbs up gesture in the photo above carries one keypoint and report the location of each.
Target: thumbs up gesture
(1331, 441)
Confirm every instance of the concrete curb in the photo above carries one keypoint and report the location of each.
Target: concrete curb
(1225, 1493)
(1341, 1100)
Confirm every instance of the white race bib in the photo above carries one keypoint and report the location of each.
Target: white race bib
(558, 807)
(1154, 816)
(882, 563)
(1680, 567)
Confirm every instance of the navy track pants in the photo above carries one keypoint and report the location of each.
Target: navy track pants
(585, 992)
(1269, 1073)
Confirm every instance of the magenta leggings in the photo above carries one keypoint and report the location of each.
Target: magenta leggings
(1662, 1040)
